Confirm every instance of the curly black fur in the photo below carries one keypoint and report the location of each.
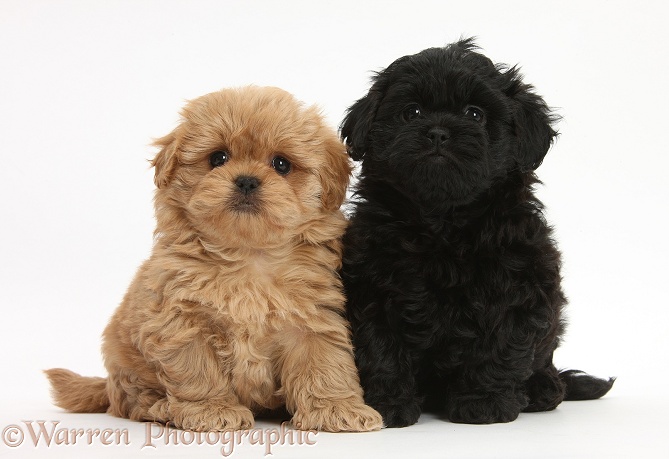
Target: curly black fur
(452, 277)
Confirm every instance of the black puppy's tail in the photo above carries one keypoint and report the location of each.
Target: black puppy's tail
(582, 386)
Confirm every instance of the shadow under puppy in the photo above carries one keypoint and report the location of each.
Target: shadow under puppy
(240, 308)
(452, 278)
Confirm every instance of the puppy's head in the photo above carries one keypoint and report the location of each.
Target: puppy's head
(443, 125)
(248, 167)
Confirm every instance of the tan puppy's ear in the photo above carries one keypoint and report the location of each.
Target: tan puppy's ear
(166, 160)
(335, 173)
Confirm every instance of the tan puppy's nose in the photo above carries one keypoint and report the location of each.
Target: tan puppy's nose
(247, 185)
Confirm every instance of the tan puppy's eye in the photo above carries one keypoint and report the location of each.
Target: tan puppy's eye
(218, 158)
(281, 165)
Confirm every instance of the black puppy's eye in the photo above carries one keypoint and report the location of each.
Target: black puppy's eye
(218, 158)
(281, 165)
(411, 112)
(474, 113)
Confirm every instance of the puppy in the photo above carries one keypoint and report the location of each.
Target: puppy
(240, 308)
(452, 278)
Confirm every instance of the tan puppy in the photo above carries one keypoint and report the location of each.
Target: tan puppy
(239, 308)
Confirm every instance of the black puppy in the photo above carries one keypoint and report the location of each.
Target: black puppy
(452, 278)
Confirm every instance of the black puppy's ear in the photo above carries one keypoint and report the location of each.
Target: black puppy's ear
(360, 116)
(533, 123)
(357, 123)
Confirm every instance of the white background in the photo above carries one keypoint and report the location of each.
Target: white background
(85, 86)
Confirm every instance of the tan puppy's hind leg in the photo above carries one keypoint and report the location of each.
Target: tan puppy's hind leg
(188, 367)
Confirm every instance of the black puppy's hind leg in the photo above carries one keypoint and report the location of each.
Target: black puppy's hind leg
(545, 389)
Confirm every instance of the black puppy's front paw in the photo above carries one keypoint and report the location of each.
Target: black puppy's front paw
(399, 415)
(485, 409)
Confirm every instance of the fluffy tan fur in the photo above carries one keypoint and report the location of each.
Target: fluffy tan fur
(236, 311)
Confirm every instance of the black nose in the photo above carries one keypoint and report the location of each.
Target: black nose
(438, 136)
(247, 185)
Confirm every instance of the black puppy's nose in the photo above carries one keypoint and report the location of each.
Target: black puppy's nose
(438, 136)
(247, 185)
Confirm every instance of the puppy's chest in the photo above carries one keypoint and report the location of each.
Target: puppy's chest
(466, 269)
(258, 292)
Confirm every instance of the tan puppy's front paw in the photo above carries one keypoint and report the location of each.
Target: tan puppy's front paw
(338, 416)
(207, 416)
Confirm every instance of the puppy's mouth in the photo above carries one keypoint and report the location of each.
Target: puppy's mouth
(441, 156)
(245, 207)
(438, 153)
(245, 204)
(449, 155)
